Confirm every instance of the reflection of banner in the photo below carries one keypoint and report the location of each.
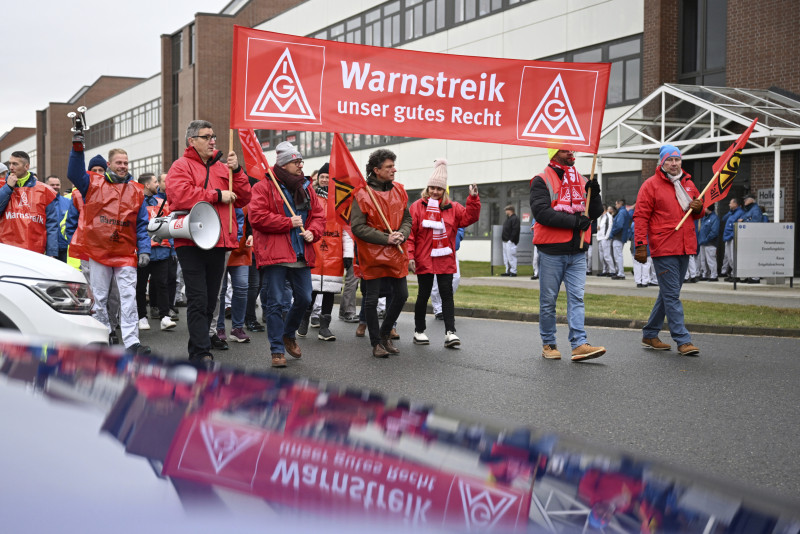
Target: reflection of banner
(726, 167)
(297, 83)
(310, 474)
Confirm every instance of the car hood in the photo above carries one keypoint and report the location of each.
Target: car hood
(16, 261)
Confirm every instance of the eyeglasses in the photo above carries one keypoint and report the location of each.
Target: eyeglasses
(206, 137)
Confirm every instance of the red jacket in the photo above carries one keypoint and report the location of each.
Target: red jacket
(272, 228)
(658, 212)
(420, 241)
(187, 186)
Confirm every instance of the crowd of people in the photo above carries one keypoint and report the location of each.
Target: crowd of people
(280, 245)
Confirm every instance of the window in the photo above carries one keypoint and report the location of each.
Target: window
(192, 44)
(625, 56)
(702, 42)
(139, 119)
(148, 164)
(177, 48)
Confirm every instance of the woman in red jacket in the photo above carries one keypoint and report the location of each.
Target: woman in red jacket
(431, 248)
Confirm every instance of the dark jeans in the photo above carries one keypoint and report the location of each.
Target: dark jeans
(445, 282)
(202, 275)
(253, 288)
(157, 272)
(172, 280)
(327, 302)
(275, 278)
(372, 290)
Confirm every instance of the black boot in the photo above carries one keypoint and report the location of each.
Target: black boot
(302, 330)
(325, 333)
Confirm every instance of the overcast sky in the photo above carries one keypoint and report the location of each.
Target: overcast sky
(52, 48)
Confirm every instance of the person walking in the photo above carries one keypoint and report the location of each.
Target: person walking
(510, 241)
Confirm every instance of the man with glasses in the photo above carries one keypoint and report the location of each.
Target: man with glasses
(201, 176)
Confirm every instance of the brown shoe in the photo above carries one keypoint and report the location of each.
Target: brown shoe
(386, 341)
(687, 349)
(379, 352)
(393, 334)
(587, 352)
(292, 347)
(654, 343)
(278, 360)
(361, 330)
(550, 352)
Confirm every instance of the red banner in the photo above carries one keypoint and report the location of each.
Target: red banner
(255, 161)
(726, 167)
(285, 82)
(338, 478)
(346, 178)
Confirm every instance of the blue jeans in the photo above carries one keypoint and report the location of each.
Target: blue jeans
(239, 280)
(670, 271)
(274, 278)
(554, 269)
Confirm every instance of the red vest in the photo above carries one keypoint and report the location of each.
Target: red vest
(379, 261)
(152, 211)
(329, 248)
(22, 224)
(110, 211)
(241, 255)
(542, 234)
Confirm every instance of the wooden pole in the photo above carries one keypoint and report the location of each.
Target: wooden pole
(588, 197)
(686, 215)
(380, 212)
(278, 187)
(230, 182)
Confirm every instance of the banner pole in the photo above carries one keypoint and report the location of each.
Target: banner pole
(230, 181)
(588, 197)
(686, 215)
(380, 212)
(278, 187)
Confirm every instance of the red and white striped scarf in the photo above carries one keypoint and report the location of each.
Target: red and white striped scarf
(571, 199)
(433, 220)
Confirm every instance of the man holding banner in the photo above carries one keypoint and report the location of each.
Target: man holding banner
(381, 222)
(201, 176)
(662, 201)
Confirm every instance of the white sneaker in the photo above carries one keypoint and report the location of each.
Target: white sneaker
(143, 324)
(166, 324)
(420, 338)
(451, 340)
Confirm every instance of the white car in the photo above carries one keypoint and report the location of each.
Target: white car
(46, 298)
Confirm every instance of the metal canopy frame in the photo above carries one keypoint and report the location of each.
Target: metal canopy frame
(703, 121)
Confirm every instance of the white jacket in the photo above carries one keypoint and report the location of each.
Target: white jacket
(604, 224)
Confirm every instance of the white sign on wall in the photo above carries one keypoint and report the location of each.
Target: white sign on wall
(766, 201)
(764, 250)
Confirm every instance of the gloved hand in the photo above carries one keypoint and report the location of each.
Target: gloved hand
(77, 141)
(412, 266)
(594, 185)
(641, 254)
(348, 262)
(696, 206)
(582, 222)
(144, 259)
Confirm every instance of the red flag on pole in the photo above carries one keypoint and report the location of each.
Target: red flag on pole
(255, 161)
(726, 167)
(345, 179)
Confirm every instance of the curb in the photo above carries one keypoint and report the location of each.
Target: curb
(503, 315)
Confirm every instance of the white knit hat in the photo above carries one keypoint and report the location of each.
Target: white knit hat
(439, 176)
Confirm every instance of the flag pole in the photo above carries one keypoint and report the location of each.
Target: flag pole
(380, 212)
(688, 212)
(588, 197)
(230, 182)
(286, 202)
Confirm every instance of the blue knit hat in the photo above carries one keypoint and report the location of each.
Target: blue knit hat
(98, 161)
(668, 151)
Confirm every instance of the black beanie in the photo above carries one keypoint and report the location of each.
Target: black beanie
(324, 169)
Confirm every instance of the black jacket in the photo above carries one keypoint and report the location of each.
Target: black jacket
(544, 214)
(511, 229)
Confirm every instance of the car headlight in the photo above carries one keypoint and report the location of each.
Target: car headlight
(75, 298)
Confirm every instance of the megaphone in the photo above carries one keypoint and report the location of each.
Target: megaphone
(201, 225)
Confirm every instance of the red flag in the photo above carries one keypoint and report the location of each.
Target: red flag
(726, 167)
(255, 161)
(345, 180)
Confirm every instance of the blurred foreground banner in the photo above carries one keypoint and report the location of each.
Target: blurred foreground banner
(285, 82)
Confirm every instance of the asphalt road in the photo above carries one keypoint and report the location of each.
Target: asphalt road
(731, 413)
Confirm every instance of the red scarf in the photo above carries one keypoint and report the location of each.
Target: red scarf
(571, 199)
(433, 220)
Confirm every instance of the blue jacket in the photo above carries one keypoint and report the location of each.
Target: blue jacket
(51, 222)
(621, 229)
(709, 230)
(62, 208)
(76, 172)
(752, 214)
(730, 224)
(459, 237)
(157, 253)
